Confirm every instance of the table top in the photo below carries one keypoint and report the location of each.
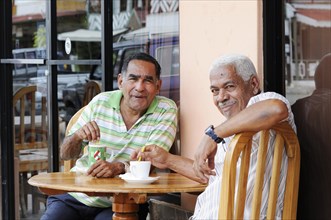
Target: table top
(61, 182)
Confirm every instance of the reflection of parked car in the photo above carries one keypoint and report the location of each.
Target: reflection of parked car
(25, 71)
(35, 74)
(165, 48)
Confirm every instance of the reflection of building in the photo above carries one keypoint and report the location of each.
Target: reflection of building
(129, 15)
(308, 34)
(28, 16)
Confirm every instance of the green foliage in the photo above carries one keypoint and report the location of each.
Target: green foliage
(39, 38)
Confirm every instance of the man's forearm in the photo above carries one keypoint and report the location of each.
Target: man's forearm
(183, 166)
(71, 147)
(259, 116)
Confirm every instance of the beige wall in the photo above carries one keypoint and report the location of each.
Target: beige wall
(209, 29)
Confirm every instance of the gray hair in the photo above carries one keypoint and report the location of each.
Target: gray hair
(243, 66)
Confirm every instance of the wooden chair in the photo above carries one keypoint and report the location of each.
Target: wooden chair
(68, 164)
(92, 88)
(30, 124)
(241, 147)
(30, 140)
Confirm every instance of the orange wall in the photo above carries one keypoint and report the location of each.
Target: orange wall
(209, 29)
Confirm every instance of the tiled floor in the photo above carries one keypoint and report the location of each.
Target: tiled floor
(29, 215)
(174, 199)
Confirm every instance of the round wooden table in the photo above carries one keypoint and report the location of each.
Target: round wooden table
(126, 196)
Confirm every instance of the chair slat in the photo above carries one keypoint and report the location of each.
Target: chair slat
(260, 170)
(241, 194)
(277, 162)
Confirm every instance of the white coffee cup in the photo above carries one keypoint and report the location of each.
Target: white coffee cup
(140, 169)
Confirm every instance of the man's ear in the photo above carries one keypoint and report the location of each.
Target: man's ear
(158, 85)
(119, 80)
(255, 83)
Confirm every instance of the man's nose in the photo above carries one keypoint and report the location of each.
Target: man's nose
(222, 96)
(140, 85)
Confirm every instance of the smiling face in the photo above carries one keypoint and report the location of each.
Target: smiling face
(139, 85)
(230, 93)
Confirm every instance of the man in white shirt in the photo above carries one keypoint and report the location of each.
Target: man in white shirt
(236, 93)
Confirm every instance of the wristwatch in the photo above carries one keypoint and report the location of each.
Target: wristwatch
(210, 132)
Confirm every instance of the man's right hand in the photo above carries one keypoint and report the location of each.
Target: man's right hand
(89, 132)
(72, 145)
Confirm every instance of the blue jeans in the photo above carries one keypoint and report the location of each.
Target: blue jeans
(66, 207)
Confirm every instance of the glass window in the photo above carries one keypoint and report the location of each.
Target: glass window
(308, 88)
(307, 37)
(152, 27)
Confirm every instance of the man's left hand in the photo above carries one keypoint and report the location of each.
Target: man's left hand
(105, 169)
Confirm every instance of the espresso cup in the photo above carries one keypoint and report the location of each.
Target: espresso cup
(96, 151)
(140, 169)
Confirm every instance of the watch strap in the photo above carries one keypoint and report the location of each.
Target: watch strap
(210, 132)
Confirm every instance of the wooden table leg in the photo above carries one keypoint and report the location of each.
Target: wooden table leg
(126, 205)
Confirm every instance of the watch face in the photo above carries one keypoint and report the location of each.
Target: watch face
(209, 129)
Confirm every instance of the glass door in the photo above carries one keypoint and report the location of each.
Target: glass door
(28, 104)
(78, 53)
(55, 46)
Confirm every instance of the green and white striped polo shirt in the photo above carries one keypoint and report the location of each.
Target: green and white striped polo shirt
(157, 126)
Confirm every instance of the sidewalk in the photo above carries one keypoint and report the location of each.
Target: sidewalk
(299, 89)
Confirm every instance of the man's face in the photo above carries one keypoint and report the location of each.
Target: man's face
(230, 93)
(139, 85)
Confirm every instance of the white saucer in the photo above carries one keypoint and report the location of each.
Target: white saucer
(128, 177)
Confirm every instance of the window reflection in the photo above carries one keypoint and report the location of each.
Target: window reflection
(308, 81)
(307, 40)
(153, 27)
(138, 25)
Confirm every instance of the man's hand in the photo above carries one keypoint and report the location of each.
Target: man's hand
(71, 146)
(204, 158)
(103, 168)
(90, 132)
(157, 156)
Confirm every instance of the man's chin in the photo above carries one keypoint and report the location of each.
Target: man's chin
(139, 106)
(228, 114)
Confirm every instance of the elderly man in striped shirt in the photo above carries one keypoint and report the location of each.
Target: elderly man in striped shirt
(123, 120)
(236, 93)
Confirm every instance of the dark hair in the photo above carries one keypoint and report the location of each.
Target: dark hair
(144, 57)
(323, 73)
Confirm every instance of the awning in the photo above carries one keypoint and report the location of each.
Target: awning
(84, 35)
(314, 17)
